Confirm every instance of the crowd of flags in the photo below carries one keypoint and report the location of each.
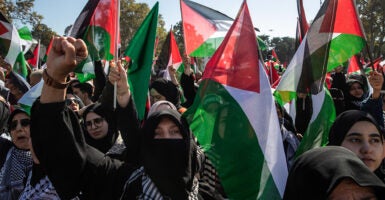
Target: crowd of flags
(233, 115)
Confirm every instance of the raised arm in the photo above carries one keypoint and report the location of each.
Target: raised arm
(373, 104)
(57, 137)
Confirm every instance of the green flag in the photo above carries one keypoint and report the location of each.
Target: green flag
(140, 52)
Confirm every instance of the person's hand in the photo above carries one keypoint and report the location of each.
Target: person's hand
(119, 75)
(66, 53)
(376, 80)
(171, 70)
(4, 64)
(339, 69)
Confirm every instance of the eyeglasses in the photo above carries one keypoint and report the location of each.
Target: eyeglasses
(97, 122)
(70, 101)
(23, 123)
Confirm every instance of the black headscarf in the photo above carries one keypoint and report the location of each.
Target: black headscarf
(317, 172)
(170, 163)
(103, 144)
(345, 121)
(168, 90)
(352, 102)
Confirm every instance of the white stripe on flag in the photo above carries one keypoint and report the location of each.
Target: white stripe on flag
(261, 112)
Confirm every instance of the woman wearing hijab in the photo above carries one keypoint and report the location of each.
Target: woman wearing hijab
(359, 132)
(210, 186)
(101, 131)
(162, 89)
(17, 163)
(160, 105)
(356, 95)
(168, 160)
(331, 173)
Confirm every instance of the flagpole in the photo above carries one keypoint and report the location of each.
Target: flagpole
(116, 58)
(370, 56)
(38, 56)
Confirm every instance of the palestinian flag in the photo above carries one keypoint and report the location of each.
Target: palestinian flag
(175, 59)
(323, 116)
(26, 38)
(302, 25)
(34, 61)
(274, 56)
(140, 52)
(170, 52)
(235, 120)
(96, 25)
(373, 64)
(10, 47)
(271, 71)
(204, 28)
(355, 66)
(323, 48)
(48, 49)
(27, 100)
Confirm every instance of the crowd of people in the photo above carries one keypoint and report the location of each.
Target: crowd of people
(73, 144)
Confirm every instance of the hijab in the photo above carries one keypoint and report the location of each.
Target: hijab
(317, 172)
(353, 102)
(345, 121)
(158, 105)
(168, 90)
(170, 163)
(103, 144)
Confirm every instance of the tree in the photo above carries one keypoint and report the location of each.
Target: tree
(132, 16)
(372, 14)
(178, 32)
(284, 47)
(43, 33)
(20, 11)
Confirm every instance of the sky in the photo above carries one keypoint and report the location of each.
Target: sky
(276, 18)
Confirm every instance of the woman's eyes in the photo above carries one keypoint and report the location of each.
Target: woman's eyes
(375, 140)
(174, 131)
(355, 140)
(372, 140)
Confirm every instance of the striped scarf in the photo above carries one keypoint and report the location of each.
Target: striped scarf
(150, 191)
(15, 170)
(42, 190)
